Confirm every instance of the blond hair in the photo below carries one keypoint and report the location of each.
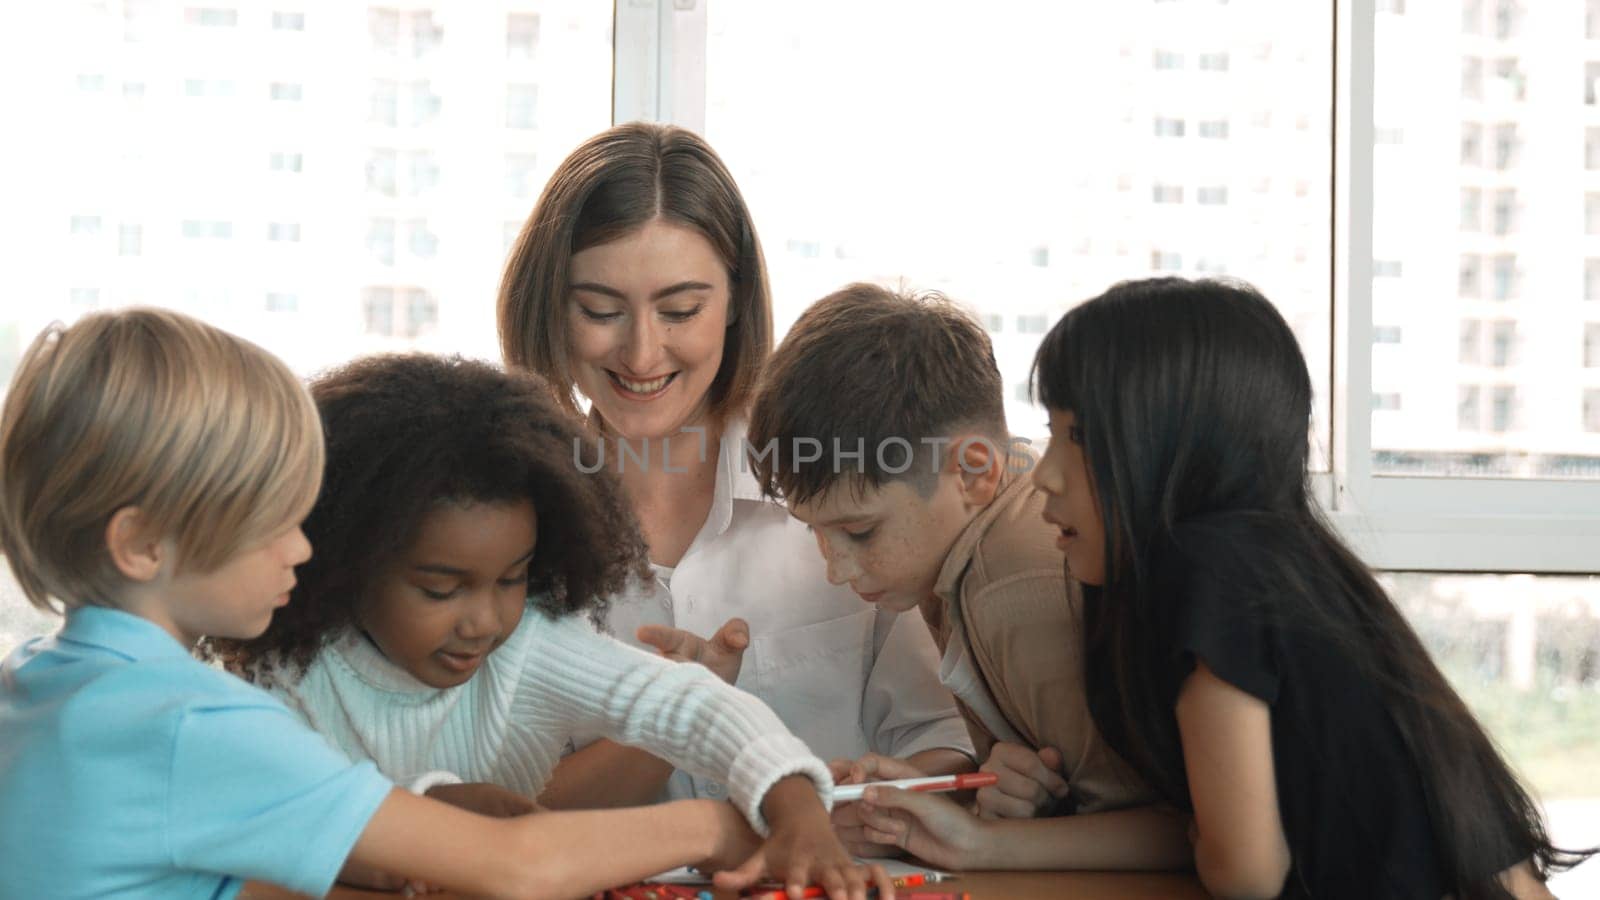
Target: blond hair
(210, 437)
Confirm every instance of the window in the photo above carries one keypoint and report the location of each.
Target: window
(378, 311)
(1471, 342)
(1591, 213)
(1471, 78)
(521, 175)
(420, 240)
(1507, 18)
(994, 323)
(210, 17)
(1505, 211)
(425, 104)
(1469, 408)
(84, 226)
(381, 172)
(380, 241)
(1213, 195)
(424, 172)
(208, 87)
(1168, 127)
(1503, 412)
(207, 229)
(1033, 324)
(283, 231)
(1166, 193)
(1471, 144)
(1591, 148)
(422, 312)
(384, 105)
(383, 26)
(1214, 128)
(1389, 136)
(1386, 334)
(285, 90)
(522, 35)
(1165, 261)
(1387, 268)
(1389, 402)
(522, 101)
(288, 21)
(1510, 84)
(1469, 282)
(1591, 279)
(1168, 59)
(1505, 146)
(1591, 80)
(278, 301)
(1591, 19)
(1471, 209)
(1505, 344)
(84, 297)
(91, 83)
(1591, 410)
(426, 35)
(1505, 277)
(1214, 62)
(284, 161)
(130, 240)
(1591, 345)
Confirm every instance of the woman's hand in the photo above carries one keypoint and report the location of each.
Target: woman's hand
(802, 850)
(846, 817)
(1029, 783)
(722, 654)
(927, 826)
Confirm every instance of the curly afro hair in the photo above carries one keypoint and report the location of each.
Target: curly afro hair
(407, 432)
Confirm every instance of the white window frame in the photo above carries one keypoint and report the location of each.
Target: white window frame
(1395, 522)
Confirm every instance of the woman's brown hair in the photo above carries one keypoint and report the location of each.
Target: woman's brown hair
(612, 185)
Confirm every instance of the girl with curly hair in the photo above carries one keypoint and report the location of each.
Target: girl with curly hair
(436, 630)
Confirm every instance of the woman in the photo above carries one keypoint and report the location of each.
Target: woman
(639, 282)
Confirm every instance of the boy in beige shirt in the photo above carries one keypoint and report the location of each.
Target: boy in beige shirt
(880, 422)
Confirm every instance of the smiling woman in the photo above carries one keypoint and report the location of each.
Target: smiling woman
(638, 283)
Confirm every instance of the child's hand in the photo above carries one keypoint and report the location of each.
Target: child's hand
(484, 799)
(930, 827)
(847, 816)
(355, 874)
(803, 850)
(722, 654)
(1029, 782)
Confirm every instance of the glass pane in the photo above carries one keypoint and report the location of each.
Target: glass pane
(1022, 157)
(1486, 240)
(1524, 653)
(361, 210)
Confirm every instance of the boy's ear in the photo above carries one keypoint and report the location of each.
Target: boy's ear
(136, 553)
(979, 463)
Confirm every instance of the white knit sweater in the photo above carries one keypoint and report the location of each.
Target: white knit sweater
(552, 679)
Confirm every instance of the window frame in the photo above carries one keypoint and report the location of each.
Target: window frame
(1401, 523)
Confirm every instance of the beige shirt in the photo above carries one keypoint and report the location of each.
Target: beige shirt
(1009, 625)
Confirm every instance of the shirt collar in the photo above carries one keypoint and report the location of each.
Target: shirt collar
(132, 637)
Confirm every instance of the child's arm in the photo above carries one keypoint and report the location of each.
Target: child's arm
(604, 775)
(555, 855)
(1240, 849)
(935, 829)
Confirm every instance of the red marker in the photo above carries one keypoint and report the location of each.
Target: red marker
(844, 793)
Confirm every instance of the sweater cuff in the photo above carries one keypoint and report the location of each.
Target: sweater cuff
(420, 784)
(763, 763)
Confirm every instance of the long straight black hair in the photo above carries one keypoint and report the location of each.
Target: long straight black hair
(1193, 400)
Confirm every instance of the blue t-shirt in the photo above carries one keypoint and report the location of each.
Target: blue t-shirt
(130, 769)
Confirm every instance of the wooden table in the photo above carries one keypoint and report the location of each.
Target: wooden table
(980, 885)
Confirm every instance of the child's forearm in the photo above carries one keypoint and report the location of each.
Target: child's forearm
(1144, 838)
(605, 774)
(553, 855)
(942, 761)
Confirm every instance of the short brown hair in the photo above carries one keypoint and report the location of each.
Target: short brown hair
(614, 184)
(211, 437)
(867, 367)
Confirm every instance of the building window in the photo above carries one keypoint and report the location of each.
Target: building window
(84, 297)
(1507, 18)
(1388, 402)
(91, 83)
(1168, 127)
(424, 173)
(1214, 128)
(378, 310)
(130, 240)
(1591, 279)
(804, 249)
(1164, 261)
(522, 35)
(1390, 136)
(1020, 393)
(1510, 83)
(1387, 268)
(1386, 334)
(1392, 7)
(284, 161)
(1591, 410)
(380, 240)
(382, 169)
(422, 312)
(1469, 280)
(421, 240)
(1471, 342)
(426, 36)
(1471, 78)
(384, 103)
(994, 323)
(211, 17)
(1033, 324)
(203, 229)
(1471, 144)
(84, 226)
(1214, 195)
(520, 182)
(1471, 209)
(1505, 277)
(208, 87)
(1505, 211)
(285, 90)
(1503, 350)
(425, 104)
(1469, 407)
(287, 232)
(1591, 345)
(1213, 62)
(1167, 193)
(1506, 146)
(288, 21)
(522, 102)
(383, 25)
(133, 90)
(282, 302)
(1591, 148)
(1591, 80)
(1168, 59)
(1591, 213)
(1504, 409)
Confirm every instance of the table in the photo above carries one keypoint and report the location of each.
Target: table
(980, 885)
